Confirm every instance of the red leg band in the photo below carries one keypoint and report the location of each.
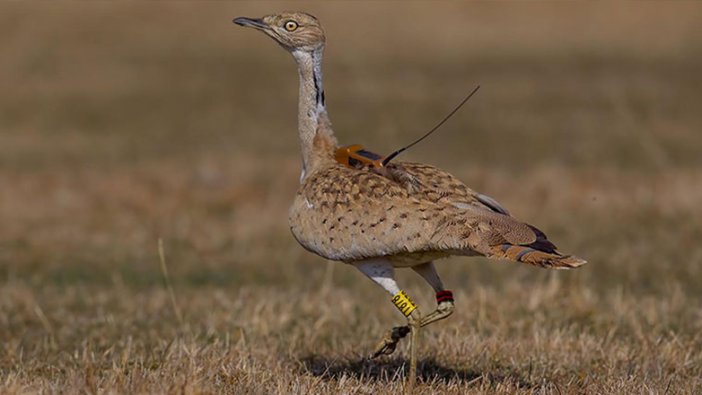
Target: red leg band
(444, 296)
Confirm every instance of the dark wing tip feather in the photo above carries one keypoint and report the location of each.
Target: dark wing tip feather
(542, 243)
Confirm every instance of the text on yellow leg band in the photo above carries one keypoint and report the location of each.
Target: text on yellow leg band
(403, 303)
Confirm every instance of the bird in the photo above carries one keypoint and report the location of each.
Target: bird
(405, 215)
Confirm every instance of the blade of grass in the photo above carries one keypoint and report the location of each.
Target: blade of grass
(167, 283)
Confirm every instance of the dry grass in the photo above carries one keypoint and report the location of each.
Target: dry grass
(125, 123)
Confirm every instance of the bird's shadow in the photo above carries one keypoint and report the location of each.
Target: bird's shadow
(387, 370)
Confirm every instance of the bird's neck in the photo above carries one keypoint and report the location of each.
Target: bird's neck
(317, 139)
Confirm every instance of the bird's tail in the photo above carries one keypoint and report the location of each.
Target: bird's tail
(552, 259)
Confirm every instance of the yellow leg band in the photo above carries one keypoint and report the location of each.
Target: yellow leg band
(403, 303)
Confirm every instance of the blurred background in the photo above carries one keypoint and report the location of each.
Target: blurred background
(125, 122)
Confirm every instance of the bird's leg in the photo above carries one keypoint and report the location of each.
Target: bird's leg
(414, 320)
(382, 272)
(444, 298)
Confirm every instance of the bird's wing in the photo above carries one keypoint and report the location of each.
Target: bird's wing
(480, 224)
(436, 181)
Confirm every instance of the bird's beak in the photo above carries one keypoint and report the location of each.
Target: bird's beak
(251, 22)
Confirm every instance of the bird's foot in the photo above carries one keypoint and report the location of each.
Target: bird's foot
(389, 342)
(443, 310)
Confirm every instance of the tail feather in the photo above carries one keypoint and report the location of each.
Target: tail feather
(549, 259)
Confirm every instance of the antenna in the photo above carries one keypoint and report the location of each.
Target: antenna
(398, 152)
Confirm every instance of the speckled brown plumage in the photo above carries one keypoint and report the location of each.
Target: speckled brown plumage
(350, 214)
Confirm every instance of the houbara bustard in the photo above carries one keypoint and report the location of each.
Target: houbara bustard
(403, 215)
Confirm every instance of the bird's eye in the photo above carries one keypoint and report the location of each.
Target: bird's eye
(290, 26)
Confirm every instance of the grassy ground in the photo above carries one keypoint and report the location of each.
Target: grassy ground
(125, 123)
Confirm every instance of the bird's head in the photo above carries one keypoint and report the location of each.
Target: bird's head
(294, 31)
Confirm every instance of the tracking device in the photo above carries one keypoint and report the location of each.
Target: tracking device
(355, 156)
